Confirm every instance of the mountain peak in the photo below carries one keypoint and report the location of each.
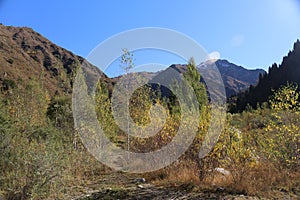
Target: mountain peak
(297, 45)
(236, 78)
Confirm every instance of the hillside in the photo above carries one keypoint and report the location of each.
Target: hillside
(27, 55)
(236, 78)
(287, 72)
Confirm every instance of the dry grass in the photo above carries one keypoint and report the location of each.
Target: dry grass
(262, 180)
(217, 179)
(178, 173)
(183, 173)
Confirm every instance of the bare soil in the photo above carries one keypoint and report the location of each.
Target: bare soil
(122, 186)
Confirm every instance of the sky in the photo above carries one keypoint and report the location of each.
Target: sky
(251, 33)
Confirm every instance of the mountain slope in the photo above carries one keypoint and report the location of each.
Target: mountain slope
(236, 78)
(287, 71)
(27, 55)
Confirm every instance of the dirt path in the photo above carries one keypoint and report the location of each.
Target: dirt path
(158, 193)
(120, 186)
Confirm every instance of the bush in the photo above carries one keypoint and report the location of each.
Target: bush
(8, 84)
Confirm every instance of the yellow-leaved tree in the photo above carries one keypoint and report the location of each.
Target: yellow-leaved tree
(283, 141)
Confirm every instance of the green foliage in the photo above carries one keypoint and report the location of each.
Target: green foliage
(36, 154)
(104, 112)
(126, 60)
(6, 133)
(8, 84)
(140, 104)
(193, 77)
(60, 113)
(27, 105)
(29, 161)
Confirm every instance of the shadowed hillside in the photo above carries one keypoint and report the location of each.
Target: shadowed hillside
(287, 72)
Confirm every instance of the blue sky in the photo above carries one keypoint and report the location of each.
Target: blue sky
(251, 33)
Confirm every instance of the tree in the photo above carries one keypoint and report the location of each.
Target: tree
(193, 77)
(285, 98)
(59, 111)
(27, 105)
(283, 144)
(126, 60)
(103, 110)
(127, 64)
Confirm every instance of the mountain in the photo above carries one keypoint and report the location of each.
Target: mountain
(287, 72)
(26, 55)
(236, 78)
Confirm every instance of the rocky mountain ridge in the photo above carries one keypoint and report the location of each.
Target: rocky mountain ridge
(26, 54)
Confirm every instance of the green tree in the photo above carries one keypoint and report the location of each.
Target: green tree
(104, 112)
(27, 105)
(59, 111)
(193, 77)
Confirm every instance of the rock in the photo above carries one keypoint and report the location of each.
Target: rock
(220, 177)
(139, 180)
(220, 189)
(222, 171)
(140, 186)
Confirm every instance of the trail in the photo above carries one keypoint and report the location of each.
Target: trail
(120, 186)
